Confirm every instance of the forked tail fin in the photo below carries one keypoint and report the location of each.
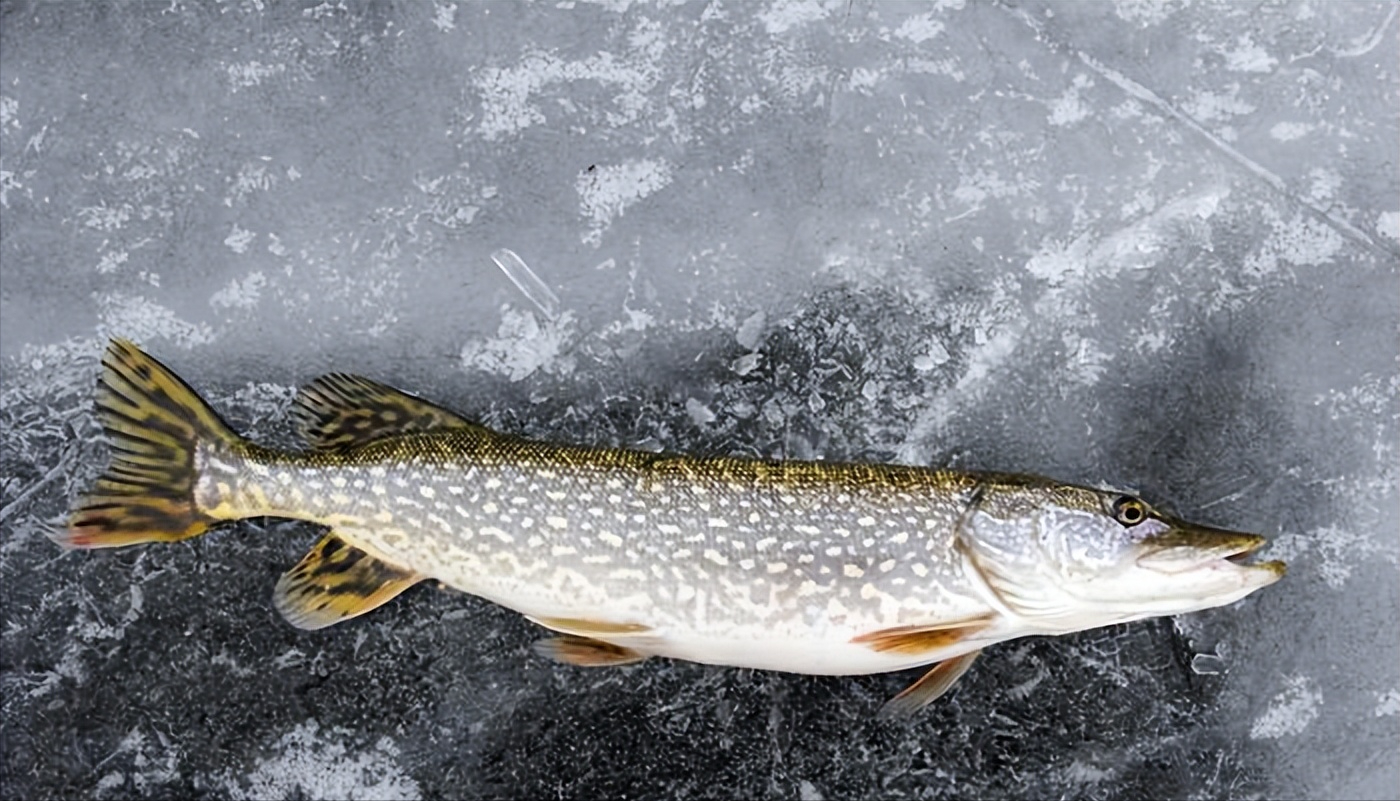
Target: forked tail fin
(154, 424)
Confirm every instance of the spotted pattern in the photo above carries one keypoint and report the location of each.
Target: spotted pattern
(717, 545)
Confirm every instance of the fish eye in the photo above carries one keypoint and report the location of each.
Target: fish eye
(1129, 510)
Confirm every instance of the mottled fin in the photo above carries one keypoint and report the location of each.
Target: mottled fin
(592, 628)
(154, 423)
(929, 688)
(339, 410)
(921, 639)
(586, 652)
(336, 581)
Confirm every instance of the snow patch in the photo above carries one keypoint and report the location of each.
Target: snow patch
(1290, 712)
(1388, 225)
(919, 29)
(522, 346)
(1069, 108)
(607, 192)
(1249, 57)
(252, 73)
(784, 15)
(1388, 703)
(1288, 131)
(142, 320)
(241, 294)
(314, 765)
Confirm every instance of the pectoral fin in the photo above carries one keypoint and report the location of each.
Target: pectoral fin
(921, 639)
(586, 652)
(336, 581)
(929, 688)
(590, 629)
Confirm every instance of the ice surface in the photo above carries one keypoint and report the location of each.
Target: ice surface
(1154, 245)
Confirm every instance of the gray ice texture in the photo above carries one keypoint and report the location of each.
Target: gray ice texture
(1148, 244)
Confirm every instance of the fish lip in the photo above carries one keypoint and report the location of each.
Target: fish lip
(1185, 548)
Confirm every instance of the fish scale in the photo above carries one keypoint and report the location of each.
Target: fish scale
(802, 566)
(634, 534)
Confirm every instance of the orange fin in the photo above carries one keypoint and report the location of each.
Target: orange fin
(929, 688)
(921, 639)
(154, 423)
(336, 581)
(339, 410)
(586, 652)
(592, 628)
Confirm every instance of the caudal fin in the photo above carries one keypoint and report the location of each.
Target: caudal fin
(154, 424)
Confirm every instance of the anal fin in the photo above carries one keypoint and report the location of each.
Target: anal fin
(586, 652)
(929, 688)
(336, 581)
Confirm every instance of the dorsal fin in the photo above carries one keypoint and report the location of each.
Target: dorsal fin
(339, 409)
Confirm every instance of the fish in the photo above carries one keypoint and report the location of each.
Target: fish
(811, 567)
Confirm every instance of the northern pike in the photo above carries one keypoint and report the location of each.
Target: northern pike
(799, 566)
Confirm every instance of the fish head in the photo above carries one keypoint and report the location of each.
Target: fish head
(1065, 558)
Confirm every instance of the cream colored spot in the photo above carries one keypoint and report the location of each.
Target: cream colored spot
(919, 569)
(807, 587)
(492, 531)
(887, 565)
(379, 489)
(338, 482)
(806, 529)
(866, 521)
(667, 528)
(868, 592)
(716, 557)
(683, 553)
(853, 571)
(534, 541)
(766, 543)
(489, 508)
(718, 522)
(493, 483)
(456, 490)
(426, 492)
(383, 517)
(834, 550)
(597, 559)
(359, 483)
(900, 538)
(610, 538)
(563, 550)
(554, 521)
(825, 570)
(596, 511)
(746, 564)
(805, 559)
(777, 567)
(555, 495)
(754, 517)
(836, 609)
(340, 499)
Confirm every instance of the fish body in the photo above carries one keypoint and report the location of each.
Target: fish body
(806, 567)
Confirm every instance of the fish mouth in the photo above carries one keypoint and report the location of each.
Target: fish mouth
(1194, 548)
